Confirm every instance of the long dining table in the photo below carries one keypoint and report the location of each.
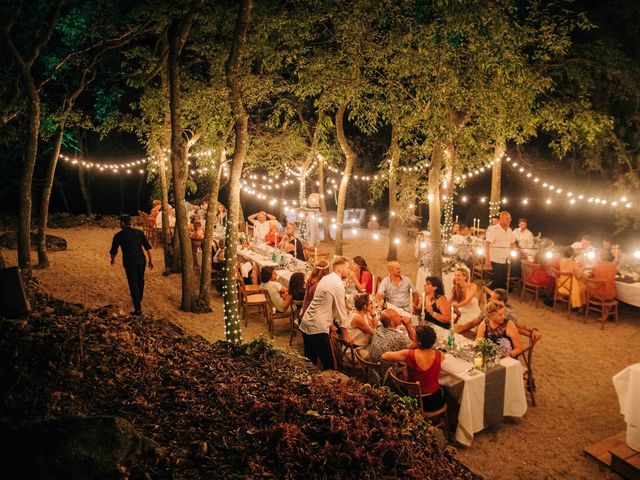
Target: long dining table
(262, 260)
(484, 397)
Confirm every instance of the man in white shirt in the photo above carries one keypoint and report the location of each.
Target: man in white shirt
(524, 238)
(498, 243)
(397, 289)
(328, 303)
(583, 245)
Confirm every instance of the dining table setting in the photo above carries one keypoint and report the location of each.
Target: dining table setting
(266, 256)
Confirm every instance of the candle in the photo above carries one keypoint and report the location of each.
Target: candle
(452, 317)
(422, 308)
(315, 256)
(373, 289)
(411, 300)
(456, 218)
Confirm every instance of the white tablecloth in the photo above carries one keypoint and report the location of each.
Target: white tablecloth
(284, 275)
(471, 415)
(627, 385)
(629, 293)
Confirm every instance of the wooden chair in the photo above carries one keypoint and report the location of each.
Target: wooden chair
(595, 303)
(370, 370)
(344, 356)
(527, 358)
(513, 282)
(273, 315)
(256, 301)
(296, 319)
(251, 288)
(480, 272)
(413, 389)
(528, 286)
(563, 280)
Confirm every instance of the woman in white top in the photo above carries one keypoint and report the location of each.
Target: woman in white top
(359, 328)
(464, 296)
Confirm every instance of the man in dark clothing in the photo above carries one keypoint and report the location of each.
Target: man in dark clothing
(132, 242)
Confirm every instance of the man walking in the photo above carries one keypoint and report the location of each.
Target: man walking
(132, 242)
(328, 303)
(498, 245)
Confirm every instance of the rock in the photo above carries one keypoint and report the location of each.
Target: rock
(74, 448)
(54, 244)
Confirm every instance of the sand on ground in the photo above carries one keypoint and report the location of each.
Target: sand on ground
(573, 364)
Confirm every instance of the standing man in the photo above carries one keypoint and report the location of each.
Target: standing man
(498, 245)
(132, 242)
(328, 303)
(524, 238)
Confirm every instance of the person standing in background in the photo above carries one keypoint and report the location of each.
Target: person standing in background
(133, 244)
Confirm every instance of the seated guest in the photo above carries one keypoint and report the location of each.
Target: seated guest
(524, 238)
(195, 229)
(605, 270)
(499, 296)
(423, 366)
(361, 324)
(493, 221)
(613, 249)
(568, 265)
(582, 245)
(278, 294)
(260, 224)
(464, 295)
(221, 216)
(500, 331)
(437, 308)
(455, 229)
(273, 236)
(361, 276)
(389, 337)
(172, 218)
(291, 244)
(320, 270)
(156, 206)
(396, 289)
(296, 286)
(541, 275)
(460, 239)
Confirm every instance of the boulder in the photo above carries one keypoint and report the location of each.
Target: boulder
(54, 244)
(85, 448)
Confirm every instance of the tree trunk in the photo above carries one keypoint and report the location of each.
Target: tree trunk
(346, 174)
(205, 269)
(179, 153)
(323, 205)
(394, 160)
(43, 259)
(169, 249)
(496, 177)
(139, 205)
(450, 192)
(2, 262)
(26, 179)
(82, 174)
(241, 126)
(60, 186)
(435, 213)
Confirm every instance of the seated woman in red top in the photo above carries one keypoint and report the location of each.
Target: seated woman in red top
(423, 366)
(273, 237)
(361, 276)
(605, 271)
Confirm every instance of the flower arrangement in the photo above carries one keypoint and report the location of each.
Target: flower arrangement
(488, 350)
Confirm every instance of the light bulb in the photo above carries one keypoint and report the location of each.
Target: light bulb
(549, 255)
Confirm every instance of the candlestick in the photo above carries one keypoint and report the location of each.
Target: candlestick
(422, 308)
(456, 218)
(315, 256)
(373, 289)
(411, 300)
(452, 317)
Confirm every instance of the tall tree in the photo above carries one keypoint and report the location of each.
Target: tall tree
(241, 128)
(25, 63)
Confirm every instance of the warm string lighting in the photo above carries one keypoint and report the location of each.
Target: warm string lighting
(570, 196)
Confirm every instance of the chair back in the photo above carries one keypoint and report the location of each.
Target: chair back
(594, 287)
(369, 367)
(527, 269)
(563, 279)
(527, 357)
(411, 389)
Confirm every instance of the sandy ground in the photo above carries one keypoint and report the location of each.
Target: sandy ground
(573, 363)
